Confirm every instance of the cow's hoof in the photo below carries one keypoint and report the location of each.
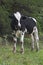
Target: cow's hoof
(14, 50)
(37, 49)
(22, 51)
(32, 49)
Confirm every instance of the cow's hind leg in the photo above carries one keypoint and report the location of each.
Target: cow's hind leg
(32, 44)
(36, 38)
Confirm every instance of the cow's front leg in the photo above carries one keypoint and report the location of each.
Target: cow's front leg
(15, 41)
(22, 42)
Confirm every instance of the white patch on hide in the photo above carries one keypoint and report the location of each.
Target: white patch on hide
(17, 15)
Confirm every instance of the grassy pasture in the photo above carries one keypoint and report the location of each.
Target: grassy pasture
(7, 57)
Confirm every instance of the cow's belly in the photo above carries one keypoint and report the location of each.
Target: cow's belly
(30, 30)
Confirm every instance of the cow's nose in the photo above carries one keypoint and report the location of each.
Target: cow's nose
(19, 25)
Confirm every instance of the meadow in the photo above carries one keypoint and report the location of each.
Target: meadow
(33, 8)
(7, 57)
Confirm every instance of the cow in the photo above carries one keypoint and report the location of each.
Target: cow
(24, 24)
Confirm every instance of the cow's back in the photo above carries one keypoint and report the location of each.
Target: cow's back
(28, 23)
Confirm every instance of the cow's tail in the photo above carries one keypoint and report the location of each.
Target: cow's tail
(34, 20)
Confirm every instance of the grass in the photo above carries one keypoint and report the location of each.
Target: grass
(7, 57)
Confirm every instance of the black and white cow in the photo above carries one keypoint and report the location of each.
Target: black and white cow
(24, 24)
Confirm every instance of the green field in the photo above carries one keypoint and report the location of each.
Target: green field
(31, 8)
(7, 57)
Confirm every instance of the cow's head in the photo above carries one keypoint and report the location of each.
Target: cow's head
(17, 15)
(16, 20)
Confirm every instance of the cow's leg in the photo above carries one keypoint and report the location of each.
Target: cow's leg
(15, 41)
(32, 45)
(22, 42)
(36, 38)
